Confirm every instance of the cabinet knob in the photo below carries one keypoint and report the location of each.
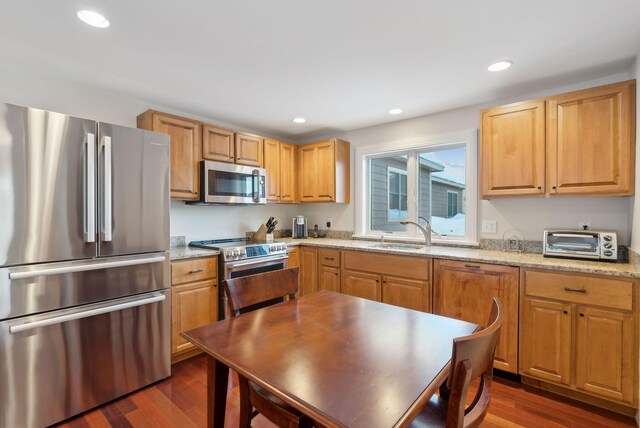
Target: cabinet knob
(540, 188)
(565, 312)
(582, 315)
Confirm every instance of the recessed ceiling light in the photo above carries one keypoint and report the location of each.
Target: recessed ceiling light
(499, 66)
(299, 120)
(395, 111)
(93, 18)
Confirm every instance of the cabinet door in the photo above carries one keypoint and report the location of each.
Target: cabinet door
(294, 261)
(288, 176)
(217, 144)
(466, 290)
(185, 154)
(326, 171)
(545, 340)
(192, 305)
(309, 270)
(329, 278)
(272, 165)
(361, 284)
(408, 293)
(248, 150)
(512, 150)
(605, 349)
(591, 146)
(308, 173)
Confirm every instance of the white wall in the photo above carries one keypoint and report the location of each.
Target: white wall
(28, 87)
(531, 215)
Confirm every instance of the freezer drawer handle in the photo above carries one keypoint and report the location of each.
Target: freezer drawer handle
(84, 314)
(82, 268)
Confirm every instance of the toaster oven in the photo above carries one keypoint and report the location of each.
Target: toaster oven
(581, 244)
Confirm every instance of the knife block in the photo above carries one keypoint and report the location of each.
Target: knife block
(261, 235)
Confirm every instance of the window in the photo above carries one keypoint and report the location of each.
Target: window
(452, 203)
(425, 179)
(397, 194)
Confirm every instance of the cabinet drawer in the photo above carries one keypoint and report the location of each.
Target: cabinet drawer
(406, 267)
(193, 270)
(329, 257)
(596, 291)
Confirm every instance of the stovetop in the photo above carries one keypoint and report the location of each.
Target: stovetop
(242, 248)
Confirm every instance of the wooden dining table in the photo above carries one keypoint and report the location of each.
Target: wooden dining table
(342, 360)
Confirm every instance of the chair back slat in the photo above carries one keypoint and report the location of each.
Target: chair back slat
(247, 291)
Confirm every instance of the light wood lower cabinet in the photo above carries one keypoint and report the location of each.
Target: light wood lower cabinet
(361, 284)
(308, 270)
(580, 331)
(329, 269)
(465, 291)
(194, 301)
(408, 293)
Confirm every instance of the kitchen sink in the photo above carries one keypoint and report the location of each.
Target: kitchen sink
(393, 246)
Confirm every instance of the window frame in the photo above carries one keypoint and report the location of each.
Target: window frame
(400, 172)
(466, 138)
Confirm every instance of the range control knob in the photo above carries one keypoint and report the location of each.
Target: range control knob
(608, 253)
(608, 245)
(607, 238)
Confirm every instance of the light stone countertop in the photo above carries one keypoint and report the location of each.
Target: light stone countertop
(528, 260)
(181, 253)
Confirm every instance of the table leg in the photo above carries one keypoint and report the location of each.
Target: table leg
(217, 380)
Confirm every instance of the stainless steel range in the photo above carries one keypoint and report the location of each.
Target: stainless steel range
(242, 257)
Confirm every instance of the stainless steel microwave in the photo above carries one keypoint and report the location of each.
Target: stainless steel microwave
(581, 244)
(228, 183)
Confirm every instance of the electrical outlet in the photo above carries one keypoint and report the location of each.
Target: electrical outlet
(584, 225)
(489, 226)
(328, 222)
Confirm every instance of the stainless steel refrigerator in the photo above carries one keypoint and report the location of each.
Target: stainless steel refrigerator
(84, 267)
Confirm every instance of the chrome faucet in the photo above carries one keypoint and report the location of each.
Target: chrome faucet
(382, 233)
(425, 231)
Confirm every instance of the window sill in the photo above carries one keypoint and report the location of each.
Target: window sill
(411, 239)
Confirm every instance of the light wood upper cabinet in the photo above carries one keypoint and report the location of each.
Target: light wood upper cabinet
(545, 348)
(579, 143)
(513, 149)
(280, 163)
(272, 165)
(248, 149)
(466, 290)
(217, 144)
(185, 151)
(323, 171)
(591, 141)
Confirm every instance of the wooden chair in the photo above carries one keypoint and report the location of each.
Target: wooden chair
(250, 293)
(472, 358)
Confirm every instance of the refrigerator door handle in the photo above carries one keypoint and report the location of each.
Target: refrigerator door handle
(108, 195)
(76, 315)
(90, 189)
(85, 267)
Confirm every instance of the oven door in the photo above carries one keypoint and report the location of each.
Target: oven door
(224, 183)
(249, 267)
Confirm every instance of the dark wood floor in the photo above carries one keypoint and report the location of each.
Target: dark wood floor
(180, 402)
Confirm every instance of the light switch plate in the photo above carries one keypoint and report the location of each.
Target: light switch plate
(489, 226)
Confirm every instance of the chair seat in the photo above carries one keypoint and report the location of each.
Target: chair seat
(434, 414)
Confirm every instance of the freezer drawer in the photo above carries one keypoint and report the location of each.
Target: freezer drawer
(28, 290)
(56, 365)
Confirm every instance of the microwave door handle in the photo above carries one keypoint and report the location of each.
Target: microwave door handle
(90, 189)
(256, 185)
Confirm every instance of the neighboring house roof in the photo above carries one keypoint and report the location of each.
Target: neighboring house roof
(447, 181)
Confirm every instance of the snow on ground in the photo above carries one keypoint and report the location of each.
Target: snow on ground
(449, 226)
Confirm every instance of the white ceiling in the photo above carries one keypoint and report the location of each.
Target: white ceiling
(341, 64)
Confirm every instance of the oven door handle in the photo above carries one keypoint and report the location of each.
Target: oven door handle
(76, 315)
(263, 260)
